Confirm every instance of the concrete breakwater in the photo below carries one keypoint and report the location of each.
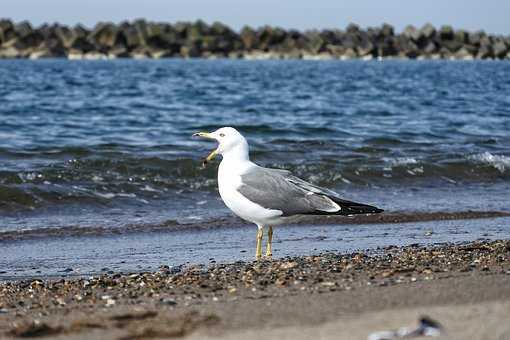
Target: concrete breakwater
(143, 39)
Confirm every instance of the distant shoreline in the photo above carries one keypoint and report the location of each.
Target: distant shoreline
(142, 39)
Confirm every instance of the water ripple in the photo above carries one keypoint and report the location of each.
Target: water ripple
(110, 134)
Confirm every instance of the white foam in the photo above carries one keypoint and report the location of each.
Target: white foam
(126, 195)
(107, 195)
(400, 161)
(110, 195)
(501, 163)
(149, 188)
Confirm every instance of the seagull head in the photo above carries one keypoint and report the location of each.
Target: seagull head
(230, 142)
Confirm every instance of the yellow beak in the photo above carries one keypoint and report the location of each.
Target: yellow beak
(203, 135)
(213, 153)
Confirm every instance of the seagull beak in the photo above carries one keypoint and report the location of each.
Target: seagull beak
(213, 153)
(210, 157)
(203, 135)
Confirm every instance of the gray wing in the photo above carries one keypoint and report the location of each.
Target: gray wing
(280, 190)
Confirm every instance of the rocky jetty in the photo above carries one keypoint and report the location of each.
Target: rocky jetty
(143, 39)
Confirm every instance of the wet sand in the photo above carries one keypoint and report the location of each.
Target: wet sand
(148, 249)
(232, 221)
(339, 296)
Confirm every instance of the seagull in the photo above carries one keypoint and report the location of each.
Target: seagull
(269, 197)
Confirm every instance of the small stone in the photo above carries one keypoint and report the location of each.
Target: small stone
(288, 265)
(164, 268)
(36, 283)
(167, 301)
(280, 282)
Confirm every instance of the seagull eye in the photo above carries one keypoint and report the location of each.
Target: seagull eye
(222, 135)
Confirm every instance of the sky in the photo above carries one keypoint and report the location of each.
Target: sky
(489, 15)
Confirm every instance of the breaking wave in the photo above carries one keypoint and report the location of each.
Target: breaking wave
(501, 163)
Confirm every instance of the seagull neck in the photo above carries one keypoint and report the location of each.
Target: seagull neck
(237, 154)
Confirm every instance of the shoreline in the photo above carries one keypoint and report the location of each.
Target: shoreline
(324, 293)
(145, 248)
(224, 222)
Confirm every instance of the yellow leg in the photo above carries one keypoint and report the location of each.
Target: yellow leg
(269, 249)
(260, 233)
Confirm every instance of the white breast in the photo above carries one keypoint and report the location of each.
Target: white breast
(229, 180)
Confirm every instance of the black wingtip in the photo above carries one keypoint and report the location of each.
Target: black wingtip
(370, 211)
(354, 208)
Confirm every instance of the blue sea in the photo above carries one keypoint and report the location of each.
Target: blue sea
(94, 150)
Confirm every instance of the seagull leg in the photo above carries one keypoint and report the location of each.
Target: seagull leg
(260, 233)
(269, 248)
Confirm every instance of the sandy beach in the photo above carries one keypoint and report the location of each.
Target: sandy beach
(464, 287)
